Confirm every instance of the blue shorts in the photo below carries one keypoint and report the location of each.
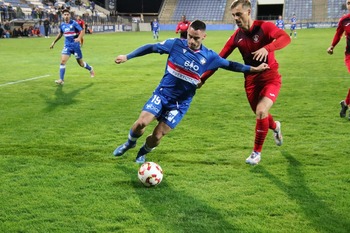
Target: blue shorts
(166, 109)
(73, 49)
(293, 26)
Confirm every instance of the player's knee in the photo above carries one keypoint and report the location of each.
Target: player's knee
(261, 113)
(140, 124)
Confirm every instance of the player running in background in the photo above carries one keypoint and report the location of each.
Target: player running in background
(293, 26)
(81, 22)
(70, 29)
(182, 27)
(343, 26)
(187, 61)
(280, 22)
(155, 29)
(257, 40)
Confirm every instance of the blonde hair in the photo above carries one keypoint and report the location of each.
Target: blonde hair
(245, 3)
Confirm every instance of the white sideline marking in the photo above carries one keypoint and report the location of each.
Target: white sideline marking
(24, 80)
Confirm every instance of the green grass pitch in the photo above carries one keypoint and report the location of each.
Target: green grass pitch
(57, 170)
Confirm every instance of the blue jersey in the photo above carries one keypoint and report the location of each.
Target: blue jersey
(185, 67)
(293, 20)
(280, 23)
(183, 71)
(70, 31)
(155, 26)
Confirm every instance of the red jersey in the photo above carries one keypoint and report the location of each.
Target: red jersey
(81, 23)
(343, 26)
(261, 34)
(183, 26)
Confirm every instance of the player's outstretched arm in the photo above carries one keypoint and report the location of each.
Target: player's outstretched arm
(330, 50)
(56, 39)
(262, 67)
(121, 59)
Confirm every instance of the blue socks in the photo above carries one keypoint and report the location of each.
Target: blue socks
(62, 71)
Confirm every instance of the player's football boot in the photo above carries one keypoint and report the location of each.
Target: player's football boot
(92, 72)
(140, 159)
(59, 82)
(120, 150)
(254, 158)
(343, 109)
(277, 134)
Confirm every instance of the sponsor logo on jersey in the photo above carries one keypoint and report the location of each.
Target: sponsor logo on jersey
(256, 38)
(191, 65)
(183, 74)
(152, 108)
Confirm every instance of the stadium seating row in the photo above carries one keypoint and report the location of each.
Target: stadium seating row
(212, 10)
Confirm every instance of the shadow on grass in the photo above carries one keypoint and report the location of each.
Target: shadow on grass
(175, 210)
(62, 98)
(319, 214)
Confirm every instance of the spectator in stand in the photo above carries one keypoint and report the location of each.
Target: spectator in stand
(2, 12)
(7, 29)
(92, 6)
(47, 27)
(30, 31)
(25, 32)
(19, 12)
(20, 32)
(10, 12)
(1, 31)
(182, 27)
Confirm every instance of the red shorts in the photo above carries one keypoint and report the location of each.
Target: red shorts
(347, 61)
(266, 84)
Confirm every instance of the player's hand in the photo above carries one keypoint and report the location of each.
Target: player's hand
(330, 50)
(77, 40)
(262, 67)
(121, 59)
(260, 55)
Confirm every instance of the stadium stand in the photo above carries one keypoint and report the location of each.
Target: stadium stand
(301, 8)
(334, 9)
(212, 10)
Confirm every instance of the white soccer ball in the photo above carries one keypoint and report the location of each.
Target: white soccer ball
(150, 174)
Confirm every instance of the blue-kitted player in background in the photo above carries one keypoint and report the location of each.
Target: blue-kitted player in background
(293, 26)
(155, 29)
(280, 22)
(71, 30)
(186, 63)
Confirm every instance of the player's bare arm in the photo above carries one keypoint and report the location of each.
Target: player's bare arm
(121, 59)
(56, 39)
(330, 50)
(262, 67)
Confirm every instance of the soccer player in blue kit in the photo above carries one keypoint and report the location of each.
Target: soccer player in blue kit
(155, 29)
(70, 29)
(293, 26)
(280, 22)
(187, 61)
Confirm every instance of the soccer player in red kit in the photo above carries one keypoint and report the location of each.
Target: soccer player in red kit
(343, 26)
(257, 40)
(182, 27)
(81, 22)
